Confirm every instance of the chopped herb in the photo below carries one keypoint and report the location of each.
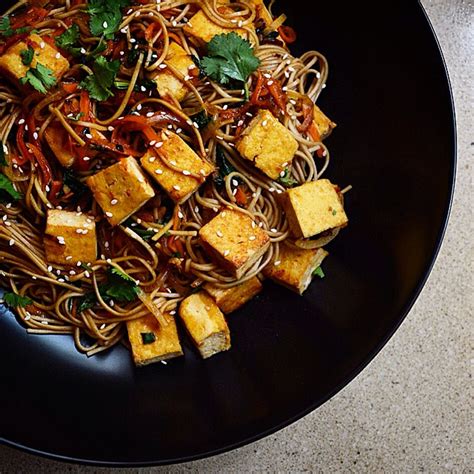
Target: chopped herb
(75, 186)
(7, 190)
(99, 83)
(132, 57)
(87, 301)
(105, 16)
(6, 30)
(148, 337)
(40, 78)
(319, 272)
(76, 117)
(14, 301)
(223, 166)
(198, 64)
(145, 234)
(334, 212)
(3, 161)
(176, 255)
(122, 275)
(147, 84)
(202, 119)
(27, 56)
(230, 58)
(69, 41)
(120, 286)
(86, 267)
(287, 179)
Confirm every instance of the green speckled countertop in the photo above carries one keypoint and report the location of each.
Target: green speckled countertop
(411, 409)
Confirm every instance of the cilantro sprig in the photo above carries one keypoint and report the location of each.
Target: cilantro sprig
(230, 58)
(319, 272)
(69, 41)
(14, 301)
(6, 30)
(105, 16)
(100, 83)
(287, 179)
(27, 56)
(40, 78)
(7, 190)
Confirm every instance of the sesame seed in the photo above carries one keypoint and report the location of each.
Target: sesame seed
(86, 158)
(277, 263)
(44, 322)
(79, 263)
(143, 88)
(152, 159)
(158, 171)
(109, 261)
(215, 209)
(89, 136)
(106, 245)
(235, 182)
(282, 174)
(176, 187)
(112, 303)
(180, 215)
(114, 202)
(153, 143)
(35, 136)
(159, 145)
(324, 86)
(110, 128)
(271, 190)
(196, 209)
(69, 257)
(240, 123)
(164, 362)
(105, 24)
(173, 163)
(195, 124)
(83, 51)
(50, 268)
(174, 22)
(42, 45)
(187, 78)
(150, 114)
(234, 192)
(248, 114)
(223, 213)
(109, 214)
(284, 88)
(11, 242)
(87, 274)
(139, 107)
(318, 75)
(252, 238)
(58, 55)
(124, 30)
(269, 83)
(133, 40)
(275, 231)
(254, 225)
(78, 231)
(219, 234)
(102, 326)
(226, 252)
(240, 24)
(21, 121)
(72, 272)
(264, 123)
(186, 172)
(162, 66)
(27, 317)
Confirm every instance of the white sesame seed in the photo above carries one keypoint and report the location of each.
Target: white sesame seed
(83, 51)
(58, 55)
(143, 88)
(195, 124)
(282, 174)
(86, 158)
(252, 238)
(110, 128)
(21, 121)
(180, 215)
(139, 107)
(164, 362)
(173, 163)
(162, 66)
(158, 171)
(277, 263)
(72, 272)
(264, 123)
(196, 209)
(215, 209)
(235, 182)
(27, 317)
(109, 214)
(271, 190)
(35, 136)
(42, 45)
(324, 86)
(11, 242)
(219, 234)
(275, 231)
(240, 123)
(133, 40)
(112, 303)
(89, 136)
(240, 24)
(78, 231)
(269, 83)
(186, 172)
(226, 252)
(69, 257)
(50, 268)
(87, 274)
(187, 78)
(318, 75)
(102, 326)
(284, 88)
(152, 159)
(150, 114)
(176, 187)
(159, 145)
(105, 24)
(114, 202)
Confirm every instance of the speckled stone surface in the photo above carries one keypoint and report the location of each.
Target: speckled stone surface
(411, 410)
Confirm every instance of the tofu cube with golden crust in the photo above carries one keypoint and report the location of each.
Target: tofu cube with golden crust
(205, 324)
(234, 241)
(152, 342)
(313, 208)
(323, 123)
(268, 144)
(57, 139)
(231, 299)
(204, 29)
(168, 83)
(294, 267)
(121, 189)
(193, 170)
(11, 63)
(69, 238)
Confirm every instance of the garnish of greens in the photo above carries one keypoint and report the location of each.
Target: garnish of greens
(287, 179)
(39, 77)
(14, 301)
(69, 41)
(119, 287)
(201, 119)
(148, 337)
(100, 83)
(6, 30)
(229, 58)
(105, 16)
(7, 191)
(224, 167)
(27, 56)
(319, 272)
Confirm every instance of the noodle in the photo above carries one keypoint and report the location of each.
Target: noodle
(162, 253)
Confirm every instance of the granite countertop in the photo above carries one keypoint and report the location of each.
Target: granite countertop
(411, 408)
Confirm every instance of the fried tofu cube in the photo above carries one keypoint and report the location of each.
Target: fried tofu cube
(294, 267)
(313, 208)
(323, 123)
(11, 63)
(234, 241)
(179, 185)
(205, 324)
(167, 83)
(120, 189)
(267, 143)
(231, 299)
(69, 238)
(57, 139)
(204, 29)
(152, 342)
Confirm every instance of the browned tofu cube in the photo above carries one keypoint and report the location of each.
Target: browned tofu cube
(234, 241)
(69, 238)
(204, 29)
(231, 299)
(152, 342)
(313, 208)
(179, 185)
(323, 123)
(57, 139)
(205, 324)
(268, 144)
(168, 84)
(121, 189)
(11, 63)
(294, 267)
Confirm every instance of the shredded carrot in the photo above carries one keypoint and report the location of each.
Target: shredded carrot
(313, 132)
(240, 197)
(70, 87)
(287, 33)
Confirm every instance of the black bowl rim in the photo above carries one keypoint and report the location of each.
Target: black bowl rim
(411, 301)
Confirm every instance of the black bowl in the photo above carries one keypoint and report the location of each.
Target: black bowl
(395, 143)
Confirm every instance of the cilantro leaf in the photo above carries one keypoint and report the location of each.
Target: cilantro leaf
(99, 84)
(40, 78)
(27, 56)
(229, 58)
(122, 292)
(69, 41)
(223, 166)
(319, 272)
(5, 28)
(87, 301)
(105, 16)
(148, 337)
(14, 301)
(202, 119)
(7, 187)
(124, 276)
(287, 179)
(3, 161)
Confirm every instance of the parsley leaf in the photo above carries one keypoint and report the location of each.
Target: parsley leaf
(287, 179)
(100, 83)
(3, 161)
(105, 16)
(6, 188)
(27, 56)
(40, 78)
(229, 58)
(69, 41)
(319, 272)
(14, 301)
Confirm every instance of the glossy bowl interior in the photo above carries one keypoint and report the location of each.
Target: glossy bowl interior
(395, 143)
